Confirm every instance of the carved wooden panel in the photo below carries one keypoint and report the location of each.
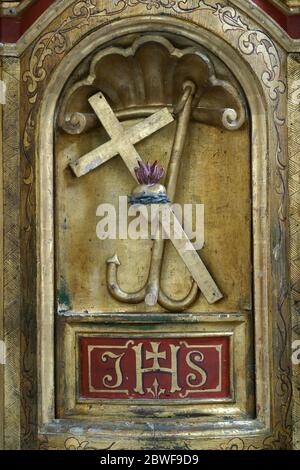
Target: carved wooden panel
(215, 172)
(239, 174)
(137, 77)
(294, 166)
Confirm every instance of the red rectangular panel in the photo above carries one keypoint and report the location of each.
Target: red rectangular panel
(155, 368)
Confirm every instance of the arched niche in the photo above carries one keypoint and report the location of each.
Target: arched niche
(139, 74)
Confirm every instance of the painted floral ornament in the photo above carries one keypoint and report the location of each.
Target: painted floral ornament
(149, 191)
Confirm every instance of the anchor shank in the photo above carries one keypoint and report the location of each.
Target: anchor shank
(154, 272)
(178, 145)
(114, 288)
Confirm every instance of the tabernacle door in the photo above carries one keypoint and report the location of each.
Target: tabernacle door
(161, 296)
(147, 325)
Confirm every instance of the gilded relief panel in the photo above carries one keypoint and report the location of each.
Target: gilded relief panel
(215, 171)
(142, 84)
(232, 162)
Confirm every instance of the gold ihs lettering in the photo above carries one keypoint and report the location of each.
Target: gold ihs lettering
(199, 357)
(156, 356)
(107, 379)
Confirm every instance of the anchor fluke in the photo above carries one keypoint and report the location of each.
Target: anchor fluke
(114, 260)
(179, 305)
(114, 289)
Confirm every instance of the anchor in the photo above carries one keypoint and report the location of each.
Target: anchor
(154, 292)
(151, 292)
(122, 142)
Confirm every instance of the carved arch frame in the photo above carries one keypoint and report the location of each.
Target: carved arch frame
(231, 42)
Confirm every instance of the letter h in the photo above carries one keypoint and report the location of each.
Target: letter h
(155, 355)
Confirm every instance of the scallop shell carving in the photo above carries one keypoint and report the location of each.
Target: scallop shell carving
(149, 74)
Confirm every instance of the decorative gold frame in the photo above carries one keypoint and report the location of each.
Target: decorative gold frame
(234, 33)
(237, 406)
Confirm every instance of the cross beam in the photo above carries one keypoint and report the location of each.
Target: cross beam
(174, 231)
(189, 255)
(122, 140)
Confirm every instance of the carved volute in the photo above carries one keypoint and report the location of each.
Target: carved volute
(147, 75)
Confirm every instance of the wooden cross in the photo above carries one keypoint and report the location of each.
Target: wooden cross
(189, 255)
(122, 140)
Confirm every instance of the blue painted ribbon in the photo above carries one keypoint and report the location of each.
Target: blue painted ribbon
(147, 198)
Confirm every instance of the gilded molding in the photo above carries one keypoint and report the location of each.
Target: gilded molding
(71, 443)
(251, 43)
(58, 7)
(1, 274)
(11, 252)
(247, 6)
(50, 47)
(294, 217)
